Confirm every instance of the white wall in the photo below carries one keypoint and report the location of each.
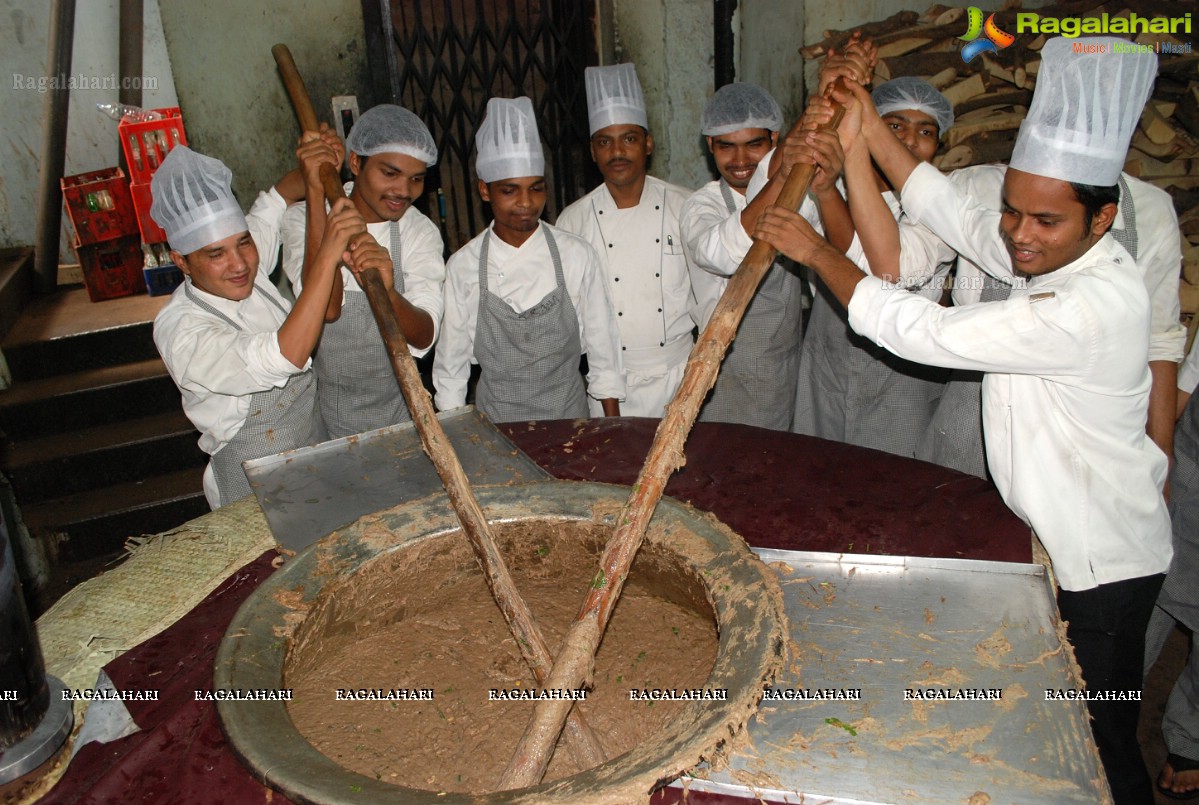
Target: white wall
(91, 136)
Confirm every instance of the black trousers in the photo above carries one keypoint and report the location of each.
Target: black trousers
(1106, 626)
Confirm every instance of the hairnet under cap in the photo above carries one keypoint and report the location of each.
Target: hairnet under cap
(391, 129)
(740, 106)
(507, 141)
(614, 97)
(909, 92)
(193, 200)
(1089, 96)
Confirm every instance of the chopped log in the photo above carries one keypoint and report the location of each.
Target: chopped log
(871, 30)
(1190, 271)
(988, 112)
(901, 46)
(1146, 167)
(951, 17)
(1000, 122)
(972, 87)
(944, 78)
(1187, 112)
(1156, 127)
(1015, 97)
(926, 64)
(981, 149)
(1158, 151)
(998, 71)
(1184, 66)
(1188, 297)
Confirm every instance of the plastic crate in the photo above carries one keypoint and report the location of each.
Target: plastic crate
(142, 199)
(162, 280)
(112, 268)
(99, 206)
(146, 144)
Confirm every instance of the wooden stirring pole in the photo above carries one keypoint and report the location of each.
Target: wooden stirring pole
(577, 655)
(582, 743)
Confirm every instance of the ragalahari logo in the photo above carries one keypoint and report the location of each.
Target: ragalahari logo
(993, 39)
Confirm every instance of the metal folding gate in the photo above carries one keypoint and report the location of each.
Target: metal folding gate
(444, 58)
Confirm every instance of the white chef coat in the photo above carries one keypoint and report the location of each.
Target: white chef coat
(216, 367)
(522, 277)
(1065, 395)
(716, 242)
(1159, 253)
(420, 259)
(641, 251)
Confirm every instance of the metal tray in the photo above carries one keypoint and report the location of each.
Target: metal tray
(312, 491)
(883, 625)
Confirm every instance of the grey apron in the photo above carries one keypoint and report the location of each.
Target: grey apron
(852, 390)
(954, 438)
(529, 362)
(279, 419)
(357, 386)
(756, 384)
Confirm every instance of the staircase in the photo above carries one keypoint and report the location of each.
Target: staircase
(95, 444)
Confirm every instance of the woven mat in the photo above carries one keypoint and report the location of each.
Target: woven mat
(164, 576)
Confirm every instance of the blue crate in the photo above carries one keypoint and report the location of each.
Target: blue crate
(163, 279)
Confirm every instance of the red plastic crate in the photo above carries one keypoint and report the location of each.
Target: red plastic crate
(142, 199)
(146, 144)
(99, 205)
(112, 268)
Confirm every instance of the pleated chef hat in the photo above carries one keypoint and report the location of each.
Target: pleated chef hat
(508, 143)
(391, 129)
(193, 201)
(1086, 104)
(614, 97)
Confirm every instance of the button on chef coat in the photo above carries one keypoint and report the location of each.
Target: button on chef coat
(1066, 392)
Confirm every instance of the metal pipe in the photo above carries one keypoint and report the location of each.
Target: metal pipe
(54, 145)
(722, 25)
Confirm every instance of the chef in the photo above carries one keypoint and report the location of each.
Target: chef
(850, 389)
(239, 352)
(1066, 389)
(632, 222)
(1147, 227)
(525, 300)
(756, 385)
(390, 152)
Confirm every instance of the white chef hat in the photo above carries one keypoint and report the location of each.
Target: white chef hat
(508, 143)
(909, 92)
(193, 200)
(1088, 99)
(391, 129)
(740, 106)
(614, 97)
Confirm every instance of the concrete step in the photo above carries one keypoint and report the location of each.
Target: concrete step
(66, 332)
(97, 522)
(38, 408)
(77, 460)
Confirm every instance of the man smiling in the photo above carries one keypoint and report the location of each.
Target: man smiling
(390, 151)
(1066, 389)
(757, 380)
(632, 222)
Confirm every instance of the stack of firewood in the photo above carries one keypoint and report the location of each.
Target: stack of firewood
(991, 97)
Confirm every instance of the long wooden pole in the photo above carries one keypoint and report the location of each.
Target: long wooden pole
(577, 655)
(582, 743)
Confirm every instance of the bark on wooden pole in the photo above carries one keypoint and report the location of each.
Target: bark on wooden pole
(582, 743)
